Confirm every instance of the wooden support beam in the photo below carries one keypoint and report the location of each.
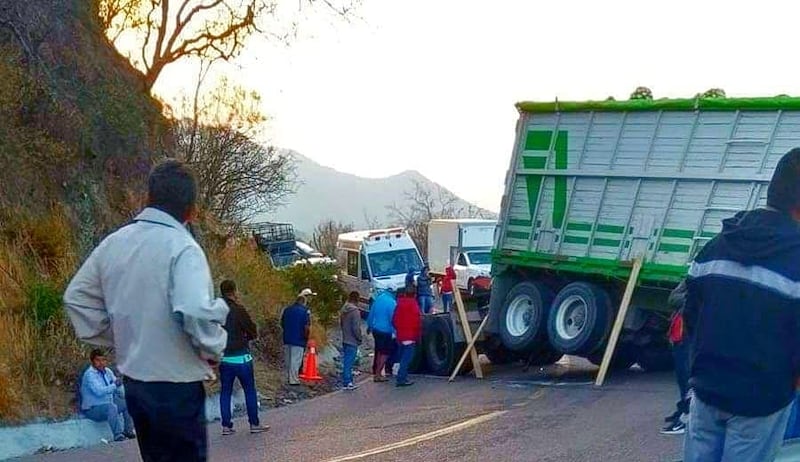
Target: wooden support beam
(620, 320)
(470, 348)
(462, 315)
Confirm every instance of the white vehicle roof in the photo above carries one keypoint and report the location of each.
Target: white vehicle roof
(377, 240)
(465, 221)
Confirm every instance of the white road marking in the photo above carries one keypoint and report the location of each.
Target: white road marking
(419, 439)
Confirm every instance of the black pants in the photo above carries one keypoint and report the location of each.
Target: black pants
(680, 353)
(169, 420)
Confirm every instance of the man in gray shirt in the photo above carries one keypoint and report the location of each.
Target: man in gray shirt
(146, 290)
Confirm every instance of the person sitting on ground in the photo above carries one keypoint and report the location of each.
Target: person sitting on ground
(296, 325)
(680, 352)
(424, 292)
(407, 322)
(350, 321)
(237, 362)
(447, 287)
(379, 324)
(101, 397)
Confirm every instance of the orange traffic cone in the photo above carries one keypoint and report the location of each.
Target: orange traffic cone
(310, 373)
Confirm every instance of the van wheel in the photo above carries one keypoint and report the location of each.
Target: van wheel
(580, 319)
(441, 352)
(471, 288)
(523, 319)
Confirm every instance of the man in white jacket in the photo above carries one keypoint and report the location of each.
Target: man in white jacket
(146, 290)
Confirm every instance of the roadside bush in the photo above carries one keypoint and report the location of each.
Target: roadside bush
(322, 280)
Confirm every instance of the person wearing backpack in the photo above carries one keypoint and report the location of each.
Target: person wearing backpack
(676, 424)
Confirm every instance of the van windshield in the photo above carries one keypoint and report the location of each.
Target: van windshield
(394, 262)
(480, 258)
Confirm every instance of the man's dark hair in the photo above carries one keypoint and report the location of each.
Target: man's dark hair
(784, 189)
(172, 188)
(227, 288)
(353, 297)
(95, 354)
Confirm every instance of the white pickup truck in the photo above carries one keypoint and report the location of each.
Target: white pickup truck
(467, 244)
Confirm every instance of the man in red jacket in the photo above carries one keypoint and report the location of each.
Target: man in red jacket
(407, 322)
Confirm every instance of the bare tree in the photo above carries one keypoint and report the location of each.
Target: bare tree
(237, 177)
(423, 203)
(326, 235)
(165, 31)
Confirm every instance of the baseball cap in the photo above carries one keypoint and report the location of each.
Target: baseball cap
(306, 292)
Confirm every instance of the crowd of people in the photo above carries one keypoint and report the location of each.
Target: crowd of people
(146, 291)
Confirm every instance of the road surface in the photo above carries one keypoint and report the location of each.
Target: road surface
(542, 415)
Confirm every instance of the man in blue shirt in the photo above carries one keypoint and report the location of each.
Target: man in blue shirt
(379, 323)
(101, 400)
(296, 324)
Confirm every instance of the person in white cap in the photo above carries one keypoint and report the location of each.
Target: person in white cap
(296, 325)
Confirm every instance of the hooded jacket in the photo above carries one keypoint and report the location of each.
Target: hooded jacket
(350, 320)
(240, 328)
(742, 314)
(407, 320)
(381, 313)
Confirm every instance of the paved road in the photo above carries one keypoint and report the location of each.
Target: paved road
(548, 415)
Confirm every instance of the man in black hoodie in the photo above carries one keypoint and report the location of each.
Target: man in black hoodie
(237, 362)
(742, 315)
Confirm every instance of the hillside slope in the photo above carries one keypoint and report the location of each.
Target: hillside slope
(325, 193)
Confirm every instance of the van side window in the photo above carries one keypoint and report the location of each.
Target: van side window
(462, 260)
(352, 264)
(364, 268)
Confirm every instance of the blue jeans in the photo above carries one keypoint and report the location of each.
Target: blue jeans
(425, 303)
(227, 374)
(717, 436)
(447, 301)
(116, 414)
(349, 353)
(406, 355)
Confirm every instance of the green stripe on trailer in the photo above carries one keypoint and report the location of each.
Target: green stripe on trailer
(518, 222)
(579, 226)
(611, 229)
(517, 235)
(678, 233)
(651, 272)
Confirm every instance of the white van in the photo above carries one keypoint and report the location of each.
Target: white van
(375, 260)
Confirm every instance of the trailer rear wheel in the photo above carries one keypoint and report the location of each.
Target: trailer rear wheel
(523, 319)
(440, 349)
(579, 319)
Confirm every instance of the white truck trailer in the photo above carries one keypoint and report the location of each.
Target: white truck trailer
(592, 186)
(466, 243)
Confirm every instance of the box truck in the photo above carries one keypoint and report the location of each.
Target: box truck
(591, 186)
(465, 243)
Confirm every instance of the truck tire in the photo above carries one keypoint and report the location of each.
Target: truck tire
(580, 319)
(440, 349)
(523, 319)
(654, 359)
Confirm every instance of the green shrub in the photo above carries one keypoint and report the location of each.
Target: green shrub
(44, 303)
(322, 280)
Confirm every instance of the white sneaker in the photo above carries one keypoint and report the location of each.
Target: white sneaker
(350, 387)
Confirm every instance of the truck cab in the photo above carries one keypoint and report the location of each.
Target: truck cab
(375, 260)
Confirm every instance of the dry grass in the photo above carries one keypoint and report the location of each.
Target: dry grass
(39, 354)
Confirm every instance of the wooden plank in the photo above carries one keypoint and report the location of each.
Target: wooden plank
(470, 348)
(617, 329)
(462, 314)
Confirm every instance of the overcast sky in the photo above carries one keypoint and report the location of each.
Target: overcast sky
(431, 84)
